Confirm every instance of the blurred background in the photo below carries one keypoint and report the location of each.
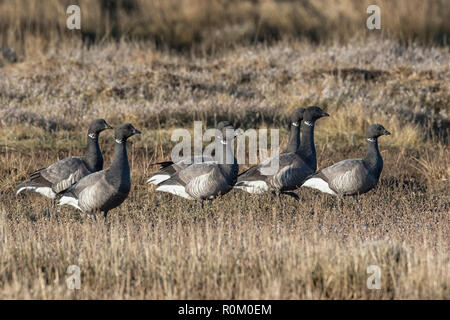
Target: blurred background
(210, 25)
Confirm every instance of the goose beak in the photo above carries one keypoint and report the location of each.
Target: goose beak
(324, 114)
(136, 131)
(107, 126)
(386, 132)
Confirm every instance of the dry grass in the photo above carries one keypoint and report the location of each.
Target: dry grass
(242, 246)
(211, 26)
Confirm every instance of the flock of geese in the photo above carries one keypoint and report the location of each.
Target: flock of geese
(83, 183)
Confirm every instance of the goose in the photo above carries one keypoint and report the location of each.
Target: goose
(294, 132)
(207, 180)
(293, 165)
(352, 176)
(107, 189)
(169, 168)
(62, 174)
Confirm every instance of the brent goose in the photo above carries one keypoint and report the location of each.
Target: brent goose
(106, 189)
(169, 168)
(207, 180)
(294, 131)
(294, 166)
(62, 174)
(352, 176)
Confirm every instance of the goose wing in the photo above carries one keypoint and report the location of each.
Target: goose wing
(88, 194)
(57, 177)
(169, 168)
(86, 182)
(195, 170)
(260, 178)
(268, 167)
(345, 177)
(190, 182)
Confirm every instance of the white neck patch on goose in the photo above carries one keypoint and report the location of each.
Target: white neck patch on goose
(223, 141)
(309, 123)
(295, 124)
(371, 139)
(92, 135)
(119, 141)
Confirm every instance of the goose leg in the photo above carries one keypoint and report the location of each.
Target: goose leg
(89, 216)
(340, 204)
(197, 204)
(358, 208)
(278, 195)
(201, 203)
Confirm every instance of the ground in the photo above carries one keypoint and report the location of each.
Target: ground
(242, 246)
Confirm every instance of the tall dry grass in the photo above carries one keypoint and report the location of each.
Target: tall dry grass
(242, 246)
(32, 26)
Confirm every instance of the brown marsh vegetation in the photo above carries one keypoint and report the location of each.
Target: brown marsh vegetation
(242, 246)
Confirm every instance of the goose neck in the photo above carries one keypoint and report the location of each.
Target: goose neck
(118, 175)
(225, 156)
(93, 156)
(307, 148)
(373, 157)
(294, 138)
(120, 159)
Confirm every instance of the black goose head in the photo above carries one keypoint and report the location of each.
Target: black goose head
(226, 129)
(312, 114)
(297, 116)
(376, 130)
(98, 126)
(125, 131)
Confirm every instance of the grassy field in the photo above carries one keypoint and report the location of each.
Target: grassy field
(214, 25)
(242, 246)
